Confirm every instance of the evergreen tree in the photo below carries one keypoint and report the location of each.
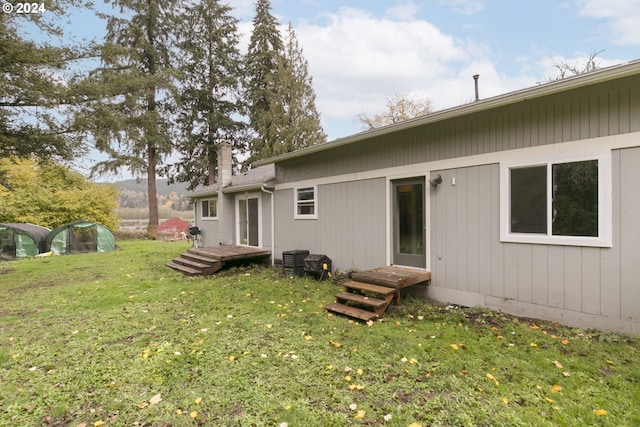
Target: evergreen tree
(301, 125)
(263, 61)
(131, 91)
(209, 99)
(32, 120)
(282, 110)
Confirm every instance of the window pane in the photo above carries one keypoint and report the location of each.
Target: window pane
(575, 198)
(305, 193)
(210, 208)
(205, 208)
(306, 208)
(529, 199)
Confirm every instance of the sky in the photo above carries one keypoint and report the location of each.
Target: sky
(362, 52)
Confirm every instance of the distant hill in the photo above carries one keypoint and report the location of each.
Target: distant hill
(133, 194)
(162, 186)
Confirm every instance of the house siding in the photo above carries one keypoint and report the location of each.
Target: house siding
(350, 228)
(609, 108)
(585, 285)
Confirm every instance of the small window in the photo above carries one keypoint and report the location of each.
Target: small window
(306, 203)
(564, 201)
(209, 209)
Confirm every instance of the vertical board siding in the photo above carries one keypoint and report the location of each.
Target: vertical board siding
(467, 254)
(610, 259)
(350, 228)
(630, 238)
(579, 114)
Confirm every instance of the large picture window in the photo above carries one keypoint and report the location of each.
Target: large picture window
(564, 201)
(306, 203)
(210, 208)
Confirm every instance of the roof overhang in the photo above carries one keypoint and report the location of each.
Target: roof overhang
(539, 91)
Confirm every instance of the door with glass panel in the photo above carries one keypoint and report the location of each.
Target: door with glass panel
(409, 233)
(248, 221)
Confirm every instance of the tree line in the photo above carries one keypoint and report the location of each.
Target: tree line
(167, 82)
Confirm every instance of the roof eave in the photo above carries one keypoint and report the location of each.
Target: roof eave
(545, 89)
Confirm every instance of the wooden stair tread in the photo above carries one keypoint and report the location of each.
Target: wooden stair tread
(184, 269)
(191, 263)
(351, 311)
(361, 299)
(392, 276)
(369, 287)
(199, 258)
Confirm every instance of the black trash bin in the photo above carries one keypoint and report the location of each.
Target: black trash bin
(318, 266)
(293, 262)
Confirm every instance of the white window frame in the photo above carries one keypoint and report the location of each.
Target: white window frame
(208, 218)
(296, 203)
(605, 201)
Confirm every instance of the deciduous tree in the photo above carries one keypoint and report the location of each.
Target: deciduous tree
(398, 108)
(50, 195)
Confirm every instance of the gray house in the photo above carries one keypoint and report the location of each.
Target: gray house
(527, 202)
(237, 209)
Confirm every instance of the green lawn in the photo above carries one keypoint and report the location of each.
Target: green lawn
(117, 339)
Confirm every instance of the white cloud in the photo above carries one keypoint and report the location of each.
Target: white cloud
(623, 17)
(357, 60)
(404, 11)
(464, 7)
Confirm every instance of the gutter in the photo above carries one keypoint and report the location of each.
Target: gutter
(605, 74)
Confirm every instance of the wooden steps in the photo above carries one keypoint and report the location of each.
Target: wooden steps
(370, 292)
(207, 261)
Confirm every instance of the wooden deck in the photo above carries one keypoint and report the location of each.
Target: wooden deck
(207, 261)
(231, 252)
(370, 292)
(393, 276)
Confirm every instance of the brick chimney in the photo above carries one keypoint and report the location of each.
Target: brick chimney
(224, 164)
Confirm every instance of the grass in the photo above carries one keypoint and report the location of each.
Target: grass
(117, 339)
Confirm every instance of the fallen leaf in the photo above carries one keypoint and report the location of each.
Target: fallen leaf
(505, 400)
(369, 323)
(143, 405)
(600, 412)
(156, 399)
(193, 414)
(98, 423)
(534, 327)
(549, 400)
(454, 346)
(287, 407)
(360, 414)
(609, 362)
(533, 344)
(198, 400)
(335, 344)
(415, 425)
(558, 364)
(492, 378)
(565, 342)
(556, 388)
(566, 374)
(353, 406)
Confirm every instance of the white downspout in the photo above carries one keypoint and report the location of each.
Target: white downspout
(273, 233)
